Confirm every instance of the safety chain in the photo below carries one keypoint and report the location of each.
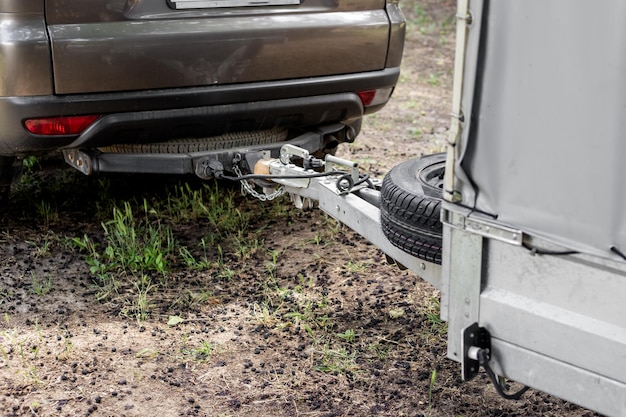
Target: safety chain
(247, 188)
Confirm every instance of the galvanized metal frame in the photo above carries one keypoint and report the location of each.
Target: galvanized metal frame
(460, 284)
(363, 217)
(557, 323)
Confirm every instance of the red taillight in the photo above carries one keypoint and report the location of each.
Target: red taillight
(375, 97)
(70, 125)
(367, 97)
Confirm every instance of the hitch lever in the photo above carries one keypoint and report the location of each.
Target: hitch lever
(332, 162)
(287, 151)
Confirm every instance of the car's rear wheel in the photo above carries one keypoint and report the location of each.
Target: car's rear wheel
(411, 196)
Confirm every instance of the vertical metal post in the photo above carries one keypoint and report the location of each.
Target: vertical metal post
(461, 285)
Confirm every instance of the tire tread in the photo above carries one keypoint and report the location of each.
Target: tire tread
(410, 219)
(190, 145)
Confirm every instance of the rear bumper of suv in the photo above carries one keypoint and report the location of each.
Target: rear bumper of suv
(160, 115)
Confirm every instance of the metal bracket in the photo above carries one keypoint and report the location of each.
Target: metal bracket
(482, 227)
(474, 339)
(79, 160)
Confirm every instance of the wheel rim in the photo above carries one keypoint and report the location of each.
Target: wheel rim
(432, 176)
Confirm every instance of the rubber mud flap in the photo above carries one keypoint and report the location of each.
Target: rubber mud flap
(410, 208)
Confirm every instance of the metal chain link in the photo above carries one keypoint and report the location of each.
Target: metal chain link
(247, 188)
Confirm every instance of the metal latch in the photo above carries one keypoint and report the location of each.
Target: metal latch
(482, 227)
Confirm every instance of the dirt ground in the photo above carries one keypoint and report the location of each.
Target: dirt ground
(298, 316)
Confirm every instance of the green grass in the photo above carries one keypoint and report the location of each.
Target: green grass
(355, 266)
(200, 352)
(143, 243)
(349, 336)
(432, 311)
(47, 212)
(431, 387)
(191, 261)
(420, 18)
(339, 360)
(136, 252)
(140, 305)
(43, 244)
(134, 246)
(30, 164)
(203, 352)
(433, 80)
(41, 285)
(20, 351)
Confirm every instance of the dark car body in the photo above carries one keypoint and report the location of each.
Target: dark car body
(89, 74)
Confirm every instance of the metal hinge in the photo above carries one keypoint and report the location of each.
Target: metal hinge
(482, 227)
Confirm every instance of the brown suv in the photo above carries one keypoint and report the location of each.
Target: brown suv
(167, 85)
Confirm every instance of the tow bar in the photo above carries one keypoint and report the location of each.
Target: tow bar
(340, 191)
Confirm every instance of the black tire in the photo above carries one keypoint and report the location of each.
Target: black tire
(226, 141)
(410, 207)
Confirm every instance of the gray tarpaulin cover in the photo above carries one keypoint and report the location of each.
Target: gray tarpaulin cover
(545, 146)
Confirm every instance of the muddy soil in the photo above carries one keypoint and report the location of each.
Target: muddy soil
(282, 313)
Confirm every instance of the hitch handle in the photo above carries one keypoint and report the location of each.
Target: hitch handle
(332, 162)
(288, 150)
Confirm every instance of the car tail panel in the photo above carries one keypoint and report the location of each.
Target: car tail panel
(121, 45)
(25, 68)
(216, 4)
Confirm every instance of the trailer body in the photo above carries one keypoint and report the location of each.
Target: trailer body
(535, 212)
